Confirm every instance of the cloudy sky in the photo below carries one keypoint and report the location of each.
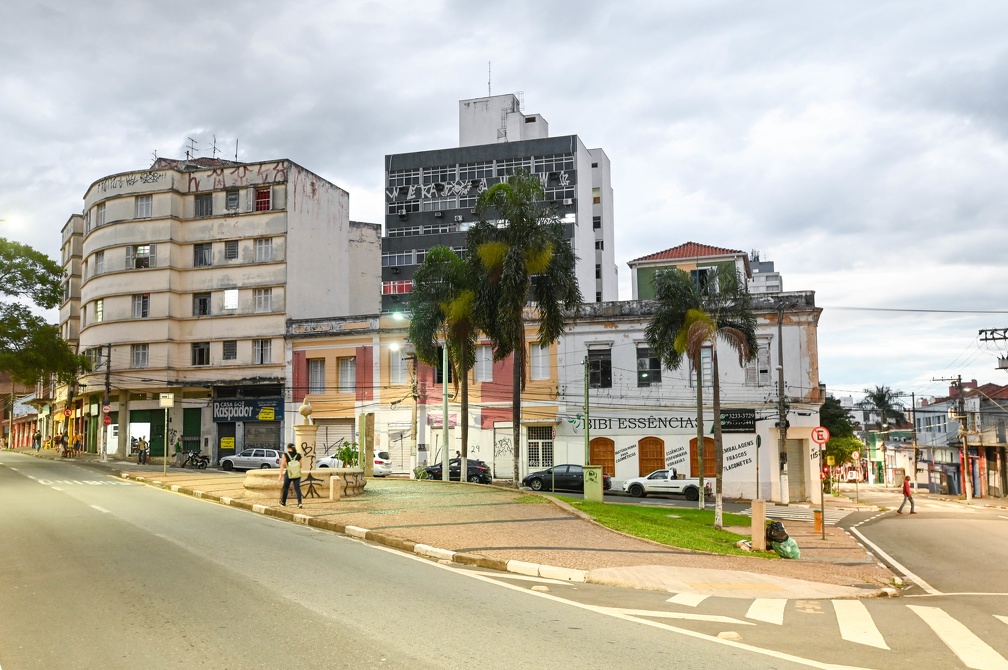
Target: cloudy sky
(860, 146)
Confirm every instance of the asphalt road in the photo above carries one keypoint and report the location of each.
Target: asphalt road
(96, 572)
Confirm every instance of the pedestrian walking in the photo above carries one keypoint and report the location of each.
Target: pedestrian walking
(142, 451)
(37, 440)
(290, 473)
(907, 495)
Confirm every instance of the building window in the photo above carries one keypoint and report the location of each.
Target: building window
(598, 271)
(231, 200)
(263, 300)
(600, 369)
(231, 249)
(316, 375)
(439, 370)
(141, 306)
(202, 255)
(705, 279)
(263, 199)
(484, 363)
(397, 287)
(141, 256)
(598, 296)
(539, 362)
(706, 368)
(397, 368)
(143, 207)
(139, 355)
(648, 368)
(758, 369)
(540, 447)
(264, 250)
(596, 196)
(347, 370)
(262, 352)
(201, 353)
(596, 223)
(231, 298)
(99, 310)
(598, 245)
(201, 304)
(100, 214)
(99, 262)
(230, 350)
(204, 205)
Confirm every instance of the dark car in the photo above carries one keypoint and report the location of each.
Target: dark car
(478, 472)
(569, 477)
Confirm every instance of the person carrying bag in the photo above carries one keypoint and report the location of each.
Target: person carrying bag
(290, 473)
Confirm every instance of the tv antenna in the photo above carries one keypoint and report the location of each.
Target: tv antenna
(214, 146)
(488, 80)
(236, 150)
(191, 149)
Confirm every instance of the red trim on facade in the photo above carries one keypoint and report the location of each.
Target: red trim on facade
(299, 376)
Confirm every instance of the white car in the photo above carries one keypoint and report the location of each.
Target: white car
(250, 459)
(382, 463)
(665, 482)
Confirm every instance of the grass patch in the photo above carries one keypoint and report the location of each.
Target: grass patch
(530, 500)
(675, 527)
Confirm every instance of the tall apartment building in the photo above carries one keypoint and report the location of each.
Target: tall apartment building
(189, 271)
(430, 196)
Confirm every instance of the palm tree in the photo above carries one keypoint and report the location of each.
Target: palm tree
(442, 305)
(884, 401)
(525, 262)
(691, 316)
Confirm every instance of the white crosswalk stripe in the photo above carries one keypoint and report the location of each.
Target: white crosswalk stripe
(800, 514)
(770, 610)
(687, 599)
(856, 624)
(971, 650)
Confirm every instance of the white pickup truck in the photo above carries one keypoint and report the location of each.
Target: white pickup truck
(665, 482)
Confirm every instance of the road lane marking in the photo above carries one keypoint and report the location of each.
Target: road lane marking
(687, 599)
(101, 509)
(520, 578)
(893, 562)
(56, 488)
(1002, 517)
(657, 614)
(856, 624)
(1001, 618)
(971, 650)
(770, 610)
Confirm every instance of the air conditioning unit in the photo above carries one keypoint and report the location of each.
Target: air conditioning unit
(438, 214)
(472, 211)
(395, 271)
(402, 213)
(568, 201)
(458, 218)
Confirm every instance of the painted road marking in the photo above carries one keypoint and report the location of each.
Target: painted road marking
(56, 488)
(1002, 517)
(1004, 619)
(770, 610)
(971, 650)
(83, 482)
(101, 509)
(856, 624)
(681, 615)
(687, 599)
(893, 562)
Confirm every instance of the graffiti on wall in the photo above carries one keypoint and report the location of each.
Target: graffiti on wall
(458, 187)
(126, 180)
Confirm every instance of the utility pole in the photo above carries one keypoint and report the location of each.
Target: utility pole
(781, 409)
(913, 422)
(960, 405)
(107, 401)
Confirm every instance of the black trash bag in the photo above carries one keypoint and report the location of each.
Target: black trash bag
(775, 532)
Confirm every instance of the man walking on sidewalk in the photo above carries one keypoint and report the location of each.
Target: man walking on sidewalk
(907, 495)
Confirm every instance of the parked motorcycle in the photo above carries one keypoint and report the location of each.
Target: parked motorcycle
(196, 460)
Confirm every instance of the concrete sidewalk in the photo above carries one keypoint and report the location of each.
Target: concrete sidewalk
(537, 535)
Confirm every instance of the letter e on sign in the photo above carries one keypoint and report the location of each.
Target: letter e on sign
(820, 435)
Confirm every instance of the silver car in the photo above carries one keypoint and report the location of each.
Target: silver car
(252, 459)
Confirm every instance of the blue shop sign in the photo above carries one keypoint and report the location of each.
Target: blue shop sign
(248, 409)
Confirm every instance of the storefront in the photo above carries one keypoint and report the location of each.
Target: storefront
(246, 423)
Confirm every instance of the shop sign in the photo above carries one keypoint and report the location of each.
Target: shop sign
(248, 409)
(738, 421)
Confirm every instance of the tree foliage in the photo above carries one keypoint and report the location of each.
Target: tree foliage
(442, 303)
(30, 348)
(690, 316)
(835, 418)
(521, 255)
(885, 402)
(841, 448)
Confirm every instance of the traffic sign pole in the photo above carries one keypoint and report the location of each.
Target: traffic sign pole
(820, 435)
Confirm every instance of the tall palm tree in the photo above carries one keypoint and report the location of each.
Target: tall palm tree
(886, 402)
(442, 305)
(691, 316)
(522, 254)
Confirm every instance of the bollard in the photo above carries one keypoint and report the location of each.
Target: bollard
(335, 487)
(817, 517)
(759, 525)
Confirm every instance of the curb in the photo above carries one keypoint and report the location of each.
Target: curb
(424, 550)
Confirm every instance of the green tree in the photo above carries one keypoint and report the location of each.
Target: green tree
(835, 418)
(30, 348)
(885, 402)
(526, 266)
(691, 315)
(442, 304)
(841, 448)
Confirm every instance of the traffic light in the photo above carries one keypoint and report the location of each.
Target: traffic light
(825, 473)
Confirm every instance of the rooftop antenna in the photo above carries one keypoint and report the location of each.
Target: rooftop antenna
(214, 146)
(154, 153)
(488, 80)
(191, 150)
(236, 150)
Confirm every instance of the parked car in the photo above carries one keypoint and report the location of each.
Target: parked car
(567, 477)
(382, 464)
(329, 461)
(251, 459)
(478, 471)
(664, 482)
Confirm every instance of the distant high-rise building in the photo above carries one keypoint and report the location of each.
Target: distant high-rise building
(430, 196)
(764, 279)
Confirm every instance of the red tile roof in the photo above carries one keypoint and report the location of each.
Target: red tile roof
(687, 251)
